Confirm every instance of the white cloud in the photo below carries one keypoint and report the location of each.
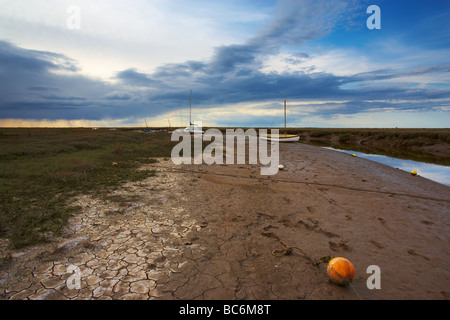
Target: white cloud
(340, 62)
(116, 35)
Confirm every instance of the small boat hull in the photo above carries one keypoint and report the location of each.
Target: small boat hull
(190, 130)
(281, 137)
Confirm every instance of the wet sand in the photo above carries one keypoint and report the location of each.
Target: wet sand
(209, 232)
(328, 203)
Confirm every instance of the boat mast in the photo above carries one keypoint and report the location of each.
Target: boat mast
(285, 131)
(190, 108)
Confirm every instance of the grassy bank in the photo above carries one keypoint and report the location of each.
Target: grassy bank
(41, 168)
(406, 137)
(426, 145)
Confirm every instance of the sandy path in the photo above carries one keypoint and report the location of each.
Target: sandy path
(208, 232)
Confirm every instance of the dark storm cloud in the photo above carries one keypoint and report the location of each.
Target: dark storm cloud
(55, 97)
(117, 96)
(387, 74)
(31, 89)
(41, 88)
(14, 58)
(227, 58)
(134, 78)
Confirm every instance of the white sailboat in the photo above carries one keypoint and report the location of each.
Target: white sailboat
(282, 137)
(192, 128)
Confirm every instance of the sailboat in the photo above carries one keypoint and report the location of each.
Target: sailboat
(282, 137)
(170, 127)
(191, 128)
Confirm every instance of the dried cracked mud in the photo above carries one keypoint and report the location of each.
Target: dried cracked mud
(226, 232)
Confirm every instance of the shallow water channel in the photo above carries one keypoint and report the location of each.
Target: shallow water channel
(430, 171)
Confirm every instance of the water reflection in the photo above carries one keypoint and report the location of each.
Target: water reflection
(430, 171)
(387, 151)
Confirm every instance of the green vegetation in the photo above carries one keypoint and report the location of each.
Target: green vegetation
(41, 168)
(413, 136)
(426, 145)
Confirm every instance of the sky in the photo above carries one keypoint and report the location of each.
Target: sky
(127, 63)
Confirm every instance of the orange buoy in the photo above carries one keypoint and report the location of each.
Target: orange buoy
(414, 172)
(341, 271)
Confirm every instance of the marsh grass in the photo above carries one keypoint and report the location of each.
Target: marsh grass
(40, 169)
(411, 136)
(398, 143)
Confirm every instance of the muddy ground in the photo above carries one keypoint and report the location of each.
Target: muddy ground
(220, 231)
